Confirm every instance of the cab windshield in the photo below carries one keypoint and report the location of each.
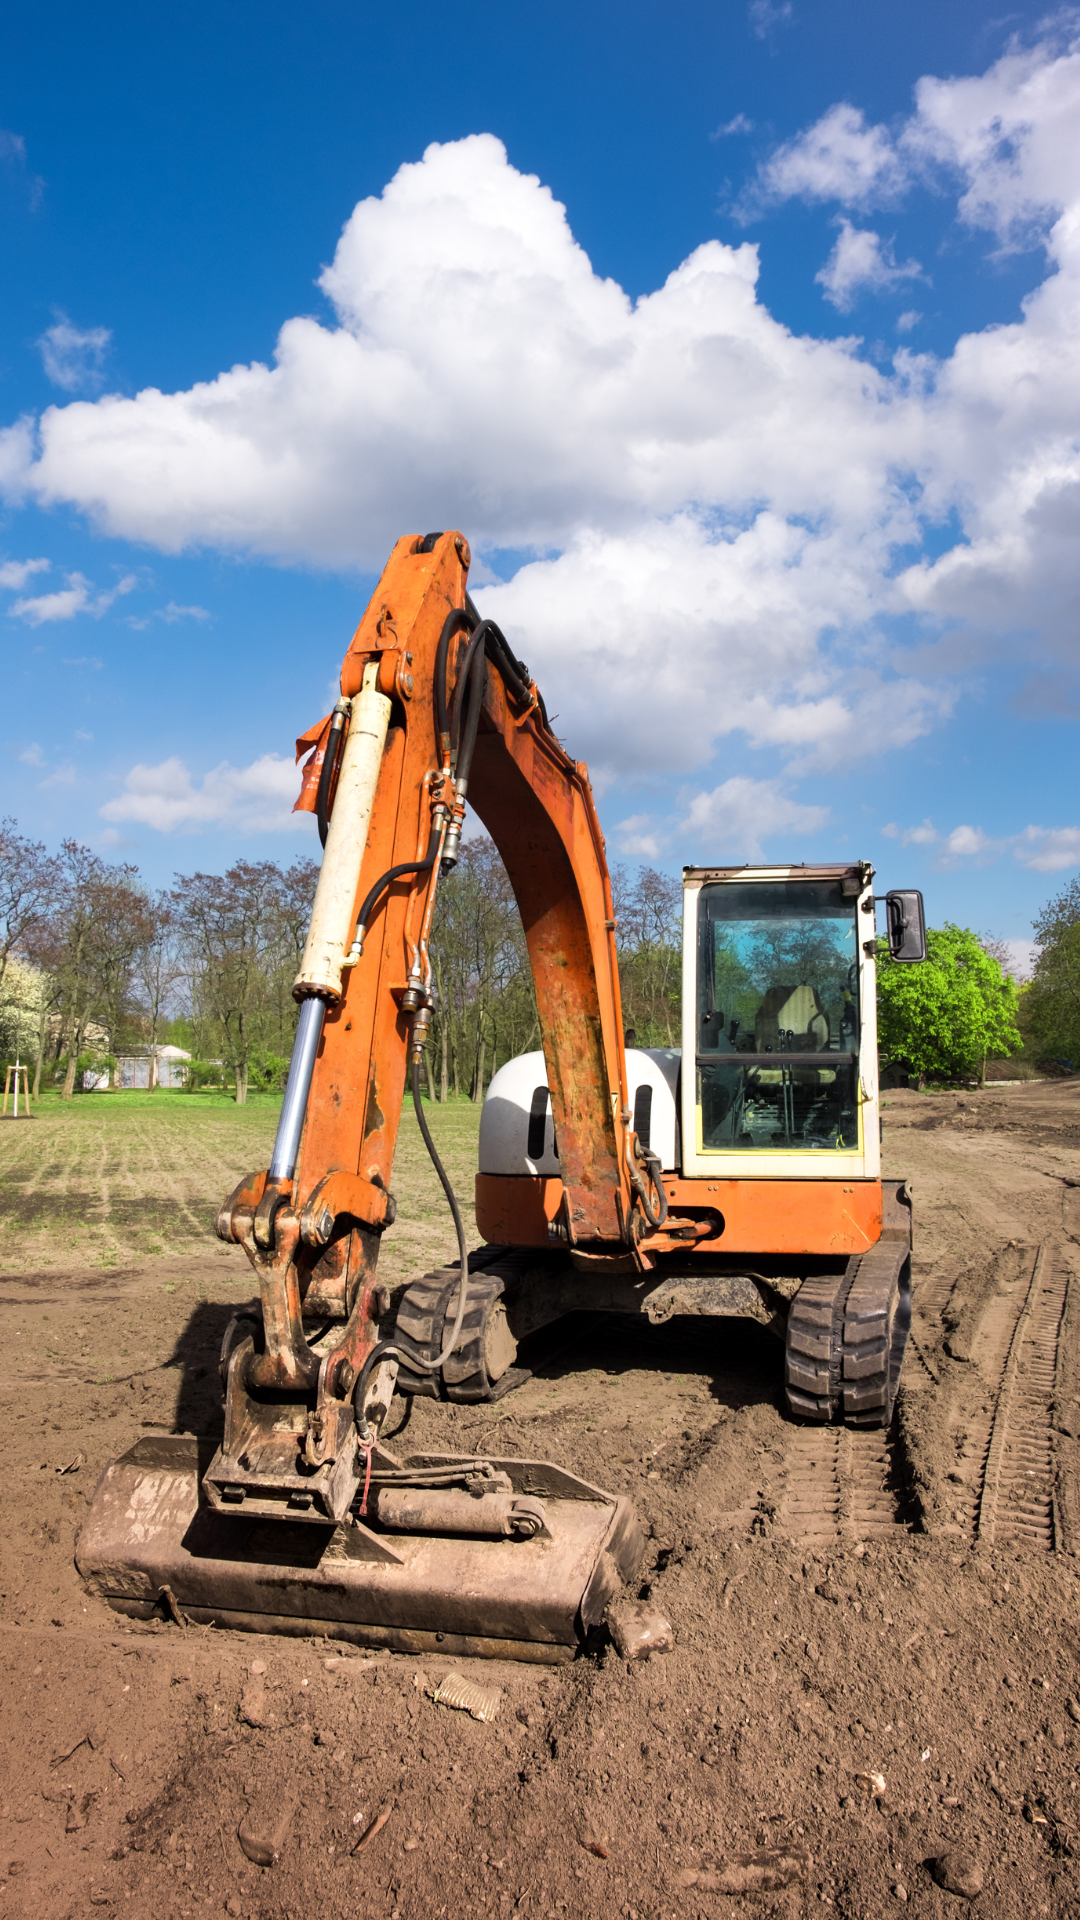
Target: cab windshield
(777, 1017)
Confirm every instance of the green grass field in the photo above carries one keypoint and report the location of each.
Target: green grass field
(110, 1179)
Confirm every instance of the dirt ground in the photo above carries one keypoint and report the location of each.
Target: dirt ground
(843, 1606)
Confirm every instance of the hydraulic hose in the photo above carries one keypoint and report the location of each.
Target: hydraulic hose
(384, 880)
(326, 775)
(514, 671)
(384, 1348)
(655, 1217)
(456, 621)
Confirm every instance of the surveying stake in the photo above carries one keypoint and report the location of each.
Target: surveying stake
(11, 1087)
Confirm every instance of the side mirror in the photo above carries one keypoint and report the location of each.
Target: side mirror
(906, 924)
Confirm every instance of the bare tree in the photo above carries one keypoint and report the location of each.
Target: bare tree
(648, 908)
(86, 946)
(29, 881)
(230, 926)
(159, 964)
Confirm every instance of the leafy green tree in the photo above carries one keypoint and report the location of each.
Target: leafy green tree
(944, 1016)
(1051, 1004)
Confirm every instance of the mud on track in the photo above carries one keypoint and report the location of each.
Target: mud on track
(904, 1603)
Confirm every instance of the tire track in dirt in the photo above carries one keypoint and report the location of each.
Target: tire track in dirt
(838, 1483)
(1009, 1498)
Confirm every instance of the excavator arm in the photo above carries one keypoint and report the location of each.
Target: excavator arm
(434, 709)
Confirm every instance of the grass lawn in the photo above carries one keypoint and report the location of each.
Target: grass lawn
(111, 1179)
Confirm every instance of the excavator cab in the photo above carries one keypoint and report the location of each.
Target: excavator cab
(778, 1017)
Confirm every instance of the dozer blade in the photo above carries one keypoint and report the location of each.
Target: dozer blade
(150, 1539)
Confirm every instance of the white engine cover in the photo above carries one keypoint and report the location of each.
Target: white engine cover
(517, 1132)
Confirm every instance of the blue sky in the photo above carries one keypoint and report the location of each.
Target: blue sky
(740, 339)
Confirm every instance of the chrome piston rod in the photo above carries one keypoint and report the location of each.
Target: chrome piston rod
(294, 1105)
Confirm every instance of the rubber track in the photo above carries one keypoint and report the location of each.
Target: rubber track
(424, 1313)
(1015, 1500)
(845, 1339)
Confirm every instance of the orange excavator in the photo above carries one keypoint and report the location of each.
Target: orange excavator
(737, 1175)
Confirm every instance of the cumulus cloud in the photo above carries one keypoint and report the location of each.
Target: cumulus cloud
(838, 158)
(737, 817)
(77, 597)
(733, 820)
(717, 508)
(1043, 849)
(922, 836)
(73, 357)
(968, 843)
(639, 836)
(669, 639)
(15, 573)
(1047, 849)
(253, 799)
(862, 260)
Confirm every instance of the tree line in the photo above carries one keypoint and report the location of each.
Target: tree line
(92, 961)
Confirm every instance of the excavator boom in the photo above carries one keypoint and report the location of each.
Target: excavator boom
(434, 707)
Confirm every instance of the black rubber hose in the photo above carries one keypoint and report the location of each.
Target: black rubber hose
(456, 620)
(658, 1218)
(472, 722)
(395, 873)
(476, 639)
(330, 760)
(383, 1348)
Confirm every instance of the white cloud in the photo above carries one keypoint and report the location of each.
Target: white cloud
(77, 597)
(838, 158)
(969, 843)
(1046, 849)
(740, 124)
(73, 356)
(664, 641)
(639, 838)
(923, 836)
(1043, 849)
(32, 755)
(861, 259)
(906, 321)
(765, 15)
(14, 574)
(170, 614)
(718, 505)
(13, 159)
(253, 799)
(736, 818)
(62, 776)
(1021, 958)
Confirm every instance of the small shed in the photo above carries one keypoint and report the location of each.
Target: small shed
(141, 1069)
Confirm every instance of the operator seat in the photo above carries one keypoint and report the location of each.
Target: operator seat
(795, 1012)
